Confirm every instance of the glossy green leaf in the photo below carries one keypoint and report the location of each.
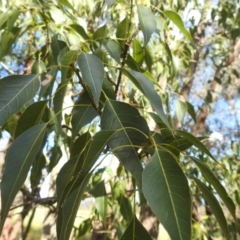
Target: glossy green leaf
(181, 110)
(212, 179)
(176, 19)
(15, 91)
(131, 131)
(18, 162)
(113, 49)
(149, 91)
(215, 207)
(31, 117)
(70, 208)
(196, 142)
(82, 114)
(166, 189)
(135, 231)
(147, 22)
(93, 73)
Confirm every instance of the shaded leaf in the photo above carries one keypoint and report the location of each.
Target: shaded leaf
(131, 132)
(70, 208)
(113, 49)
(135, 231)
(101, 33)
(31, 116)
(92, 72)
(15, 91)
(196, 142)
(82, 114)
(18, 162)
(211, 178)
(167, 192)
(147, 22)
(176, 19)
(80, 30)
(191, 111)
(149, 91)
(215, 207)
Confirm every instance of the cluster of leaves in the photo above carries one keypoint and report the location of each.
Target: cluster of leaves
(113, 69)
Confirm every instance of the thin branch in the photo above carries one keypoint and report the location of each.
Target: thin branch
(7, 68)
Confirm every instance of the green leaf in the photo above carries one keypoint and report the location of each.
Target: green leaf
(18, 162)
(138, 52)
(211, 178)
(125, 208)
(196, 142)
(167, 192)
(93, 73)
(57, 46)
(135, 231)
(215, 207)
(113, 49)
(149, 91)
(147, 22)
(70, 208)
(80, 30)
(176, 19)
(31, 117)
(122, 31)
(131, 133)
(82, 114)
(181, 110)
(101, 33)
(15, 91)
(191, 111)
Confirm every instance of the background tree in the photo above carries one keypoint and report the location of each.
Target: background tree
(86, 83)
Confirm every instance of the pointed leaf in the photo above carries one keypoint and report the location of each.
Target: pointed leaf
(31, 117)
(181, 110)
(113, 49)
(15, 91)
(149, 91)
(211, 178)
(70, 208)
(18, 162)
(196, 142)
(132, 132)
(135, 231)
(176, 19)
(215, 207)
(83, 113)
(122, 31)
(80, 30)
(167, 192)
(191, 111)
(147, 22)
(92, 72)
(138, 52)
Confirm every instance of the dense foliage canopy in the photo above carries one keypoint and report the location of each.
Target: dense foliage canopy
(110, 103)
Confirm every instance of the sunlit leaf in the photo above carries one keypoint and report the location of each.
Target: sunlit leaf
(15, 91)
(135, 231)
(176, 19)
(92, 72)
(18, 162)
(167, 192)
(181, 110)
(215, 207)
(147, 22)
(122, 31)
